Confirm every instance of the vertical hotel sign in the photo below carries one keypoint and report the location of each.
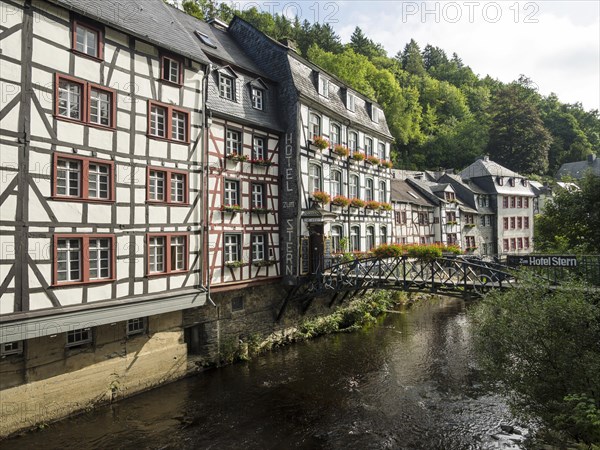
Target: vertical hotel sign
(289, 209)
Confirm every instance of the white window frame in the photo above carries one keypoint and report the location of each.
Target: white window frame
(381, 150)
(80, 336)
(179, 126)
(323, 86)
(375, 114)
(258, 195)
(232, 247)
(315, 178)
(350, 101)
(101, 103)
(178, 187)
(99, 175)
(70, 250)
(314, 123)
(70, 99)
(353, 141)
(100, 255)
(138, 325)
(337, 233)
(226, 87)
(369, 190)
(11, 348)
(158, 121)
(157, 248)
(354, 239)
(258, 148)
(368, 146)
(335, 134)
(382, 192)
(69, 167)
(259, 247)
(158, 185)
(370, 238)
(84, 48)
(233, 142)
(335, 183)
(178, 253)
(383, 235)
(257, 98)
(173, 76)
(231, 193)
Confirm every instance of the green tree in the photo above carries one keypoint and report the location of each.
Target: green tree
(542, 346)
(411, 59)
(570, 222)
(518, 138)
(208, 9)
(365, 46)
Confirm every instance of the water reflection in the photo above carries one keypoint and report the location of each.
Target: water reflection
(407, 383)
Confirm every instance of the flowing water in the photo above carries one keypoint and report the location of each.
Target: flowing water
(407, 383)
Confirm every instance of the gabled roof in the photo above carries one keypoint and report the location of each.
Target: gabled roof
(150, 20)
(402, 192)
(578, 169)
(486, 168)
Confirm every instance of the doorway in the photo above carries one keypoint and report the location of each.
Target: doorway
(317, 248)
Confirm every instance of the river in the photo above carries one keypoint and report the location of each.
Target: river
(408, 382)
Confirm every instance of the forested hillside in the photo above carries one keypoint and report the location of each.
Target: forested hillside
(441, 114)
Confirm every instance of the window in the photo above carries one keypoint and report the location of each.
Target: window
(167, 253)
(171, 70)
(400, 217)
(355, 239)
(323, 86)
(526, 222)
(334, 134)
(381, 150)
(233, 144)
(81, 178)
(231, 193)
(505, 202)
(375, 114)
(11, 348)
(383, 235)
(258, 195)
(450, 217)
(259, 247)
(450, 196)
(469, 219)
(505, 244)
(482, 221)
(314, 178)
(423, 219)
(470, 241)
(511, 182)
(226, 87)
(88, 40)
(520, 243)
(205, 39)
(452, 240)
(353, 186)
(505, 222)
(519, 223)
(526, 243)
(369, 194)
(166, 186)
(526, 202)
(336, 236)
(488, 221)
(258, 149)
(500, 181)
(314, 126)
(257, 98)
(84, 102)
(370, 238)
(336, 183)
(83, 259)
(82, 336)
(513, 244)
(512, 223)
(368, 146)
(350, 101)
(232, 248)
(237, 304)
(519, 202)
(353, 141)
(512, 202)
(382, 192)
(136, 326)
(168, 122)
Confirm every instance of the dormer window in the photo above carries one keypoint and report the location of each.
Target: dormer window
(524, 182)
(500, 181)
(87, 40)
(226, 87)
(171, 70)
(511, 181)
(350, 101)
(375, 114)
(323, 86)
(257, 98)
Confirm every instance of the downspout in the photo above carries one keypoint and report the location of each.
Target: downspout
(204, 182)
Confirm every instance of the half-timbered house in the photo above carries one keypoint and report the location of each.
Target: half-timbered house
(413, 215)
(335, 151)
(101, 202)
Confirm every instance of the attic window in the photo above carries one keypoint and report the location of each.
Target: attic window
(205, 39)
(350, 101)
(323, 86)
(375, 114)
(500, 181)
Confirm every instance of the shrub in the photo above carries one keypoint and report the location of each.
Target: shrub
(424, 251)
(388, 251)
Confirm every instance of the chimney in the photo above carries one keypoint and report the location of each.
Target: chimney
(591, 158)
(289, 43)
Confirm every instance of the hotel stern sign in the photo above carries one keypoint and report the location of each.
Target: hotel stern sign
(542, 260)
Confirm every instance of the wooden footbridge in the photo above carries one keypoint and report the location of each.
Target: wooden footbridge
(451, 276)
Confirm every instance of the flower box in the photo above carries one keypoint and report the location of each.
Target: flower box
(470, 225)
(451, 223)
(341, 151)
(261, 162)
(260, 211)
(385, 206)
(373, 160)
(231, 208)
(373, 205)
(264, 263)
(235, 264)
(237, 157)
(320, 142)
(358, 156)
(386, 164)
(321, 197)
(357, 203)
(340, 200)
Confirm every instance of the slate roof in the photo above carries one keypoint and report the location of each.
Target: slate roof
(303, 76)
(578, 169)
(400, 193)
(485, 168)
(150, 20)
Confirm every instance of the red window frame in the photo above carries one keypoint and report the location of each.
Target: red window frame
(86, 88)
(505, 245)
(99, 41)
(505, 202)
(526, 202)
(513, 202)
(168, 270)
(513, 223)
(505, 222)
(85, 178)
(526, 242)
(526, 222)
(168, 172)
(85, 260)
(179, 82)
(169, 122)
